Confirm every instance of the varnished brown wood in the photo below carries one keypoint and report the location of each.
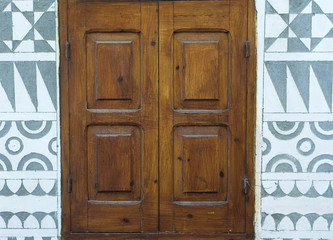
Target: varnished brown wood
(156, 236)
(251, 117)
(181, 21)
(201, 82)
(188, 18)
(210, 15)
(118, 218)
(114, 163)
(113, 70)
(64, 119)
(200, 164)
(112, 63)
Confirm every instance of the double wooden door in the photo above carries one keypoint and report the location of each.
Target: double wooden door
(157, 102)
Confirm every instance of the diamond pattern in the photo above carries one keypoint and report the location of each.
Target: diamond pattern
(299, 26)
(27, 26)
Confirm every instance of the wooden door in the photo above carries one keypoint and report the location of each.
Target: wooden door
(113, 95)
(158, 119)
(202, 116)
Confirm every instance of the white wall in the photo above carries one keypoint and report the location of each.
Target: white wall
(295, 78)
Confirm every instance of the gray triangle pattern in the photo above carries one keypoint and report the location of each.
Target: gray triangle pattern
(324, 74)
(300, 72)
(48, 72)
(27, 72)
(316, 9)
(278, 74)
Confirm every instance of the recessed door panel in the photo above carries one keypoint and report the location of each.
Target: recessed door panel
(114, 163)
(201, 70)
(113, 70)
(201, 156)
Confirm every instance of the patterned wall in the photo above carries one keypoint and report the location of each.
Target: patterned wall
(28, 121)
(297, 152)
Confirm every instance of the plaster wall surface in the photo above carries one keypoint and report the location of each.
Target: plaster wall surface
(294, 165)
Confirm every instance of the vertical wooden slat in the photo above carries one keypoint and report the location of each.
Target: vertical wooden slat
(77, 98)
(149, 23)
(238, 32)
(251, 117)
(165, 115)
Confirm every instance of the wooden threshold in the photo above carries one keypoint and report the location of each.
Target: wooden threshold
(164, 236)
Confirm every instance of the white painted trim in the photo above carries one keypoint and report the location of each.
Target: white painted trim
(29, 175)
(298, 117)
(28, 57)
(312, 56)
(298, 176)
(27, 116)
(305, 205)
(31, 203)
(44, 232)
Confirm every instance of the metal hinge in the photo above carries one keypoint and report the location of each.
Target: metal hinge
(69, 184)
(67, 53)
(247, 49)
(246, 185)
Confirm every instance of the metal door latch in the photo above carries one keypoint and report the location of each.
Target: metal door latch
(246, 185)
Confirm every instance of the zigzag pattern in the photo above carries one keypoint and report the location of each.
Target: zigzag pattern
(28, 87)
(298, 87)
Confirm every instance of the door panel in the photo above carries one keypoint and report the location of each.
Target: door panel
(200, 82)
(200, 163)
(113, 70)
(114, 162)
(202, 116)
(114, 116)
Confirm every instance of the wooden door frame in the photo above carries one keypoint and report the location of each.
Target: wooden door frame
(65, 143)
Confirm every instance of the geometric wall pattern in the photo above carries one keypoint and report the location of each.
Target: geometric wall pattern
(304, 147)
(298, 86)
(293, 26)
(297, 154)
(27, 26)
(29, 161)
(27, 56)
(28, 179)
(297, 180)
(28, 86)
(28, 146)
